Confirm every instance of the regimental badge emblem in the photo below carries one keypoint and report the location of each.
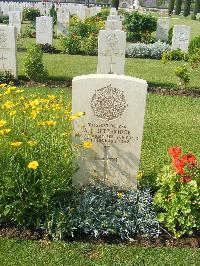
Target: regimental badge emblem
(108, 103)
(3, 38)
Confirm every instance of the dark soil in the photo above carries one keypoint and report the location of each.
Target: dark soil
(163, 241)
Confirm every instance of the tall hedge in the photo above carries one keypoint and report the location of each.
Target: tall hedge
(197, 7)
(115, 3)
(171, 6)
(178, 5)
(186, 8)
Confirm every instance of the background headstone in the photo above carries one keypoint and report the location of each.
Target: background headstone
(8, 60)
(114, 107)
(62, 23)
(162, 29)
(44, 30)
(15, 20)
(181, 37)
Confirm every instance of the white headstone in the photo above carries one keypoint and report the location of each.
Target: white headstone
(113, 21)
(15, 20)
(62, 23)
(162, 29)
(44, 30)
(111, 52)
(181, 37)
(114, 107)
(8, 61)
(136, 4)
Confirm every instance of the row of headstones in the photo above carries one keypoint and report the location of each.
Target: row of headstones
(74, 9)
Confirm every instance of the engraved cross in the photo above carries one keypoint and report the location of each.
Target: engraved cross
(106, 159)
(111, 65)
(2, 58)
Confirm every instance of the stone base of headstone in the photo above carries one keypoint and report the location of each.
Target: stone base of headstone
(114, 107)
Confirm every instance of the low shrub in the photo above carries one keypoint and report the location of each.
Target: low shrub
(178, 196)
(194, 43)
(31, 13)
(29, 32)
(36, 154)
(175, 55)
(33, 64)
(104, 211)
(53, 13)
(170, 35)
(6, 77)
(140, 27)
(183, 75)
(193, 17)
(47, 48)
(89, 45)
(142, 50)
(4, 19)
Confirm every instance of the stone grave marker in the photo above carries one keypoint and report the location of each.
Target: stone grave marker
(111, 49)
(8, 60)
(44, 30)
(62, 23)
(114, 107)
(113, 21)
(162, 29)
(15, 20)
(181, 37)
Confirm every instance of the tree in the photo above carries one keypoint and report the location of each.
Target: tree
(186, 8)
(178, 5)
(171, 6)
(197, 7)
(115, 3)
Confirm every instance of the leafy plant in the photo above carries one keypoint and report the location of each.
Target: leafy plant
(142, 50)
(194, 43)
(53, 13)
(178, 196)
(6, 77)
(103, 211)
(171, 6)
(36, 156)
(140, 26)
(33, 65)
(31, 13)
(29, 32)
(176, 54)
(47, 48)
(183, 75)
(4, 19)
(186, 8)
(170, 35)
(178, 5)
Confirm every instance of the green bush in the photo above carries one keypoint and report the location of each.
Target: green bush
(29, 32)
(140, 27)
(33, 65)
(171, 6)
(175, 55)
(31, 13)
(4, 19)
(197, 7)
(89, 45)
(6, 77)
(103, 14)
(71, 44)
(178, 5)
(170, 35)
(178, 196)
(115, 3)
(183, 75)
(193, 17)
(186, 8)
(47, 48)
(194, 43)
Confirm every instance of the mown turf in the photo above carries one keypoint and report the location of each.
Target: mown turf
(19, 252)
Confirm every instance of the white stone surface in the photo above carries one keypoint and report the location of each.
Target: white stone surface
(111, 52)
(113, 21)
(162, 29)
(181, 37)
(8, 61)
(44, 30)
(62, 23)
(114, 107)
(15, 20)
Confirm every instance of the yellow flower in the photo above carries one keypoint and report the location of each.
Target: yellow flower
(42, 123)
(8, 105)
(16, 143)
(87, 144)
(34, 113)
(50, 123)
(19, 91)
(33, 165)
(3, 85)
(119, 195)
(72, 117)
(51, 97)
(2, 122)
(139, 175)
(79, 114)
(32, 143)
(5, 131)
(12, 113)
(22, 98)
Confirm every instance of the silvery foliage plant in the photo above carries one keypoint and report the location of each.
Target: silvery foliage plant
(104, 211)
(142, 50)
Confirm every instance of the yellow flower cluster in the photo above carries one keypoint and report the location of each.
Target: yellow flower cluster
(33, 165)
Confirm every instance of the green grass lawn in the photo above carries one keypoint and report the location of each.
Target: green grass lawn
(21, 252)
(65, 67)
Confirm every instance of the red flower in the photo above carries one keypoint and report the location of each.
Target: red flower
(185, 179)
(178, 166)
(174, 151)
(189, 158)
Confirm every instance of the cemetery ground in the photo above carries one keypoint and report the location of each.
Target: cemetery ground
(169, 121)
